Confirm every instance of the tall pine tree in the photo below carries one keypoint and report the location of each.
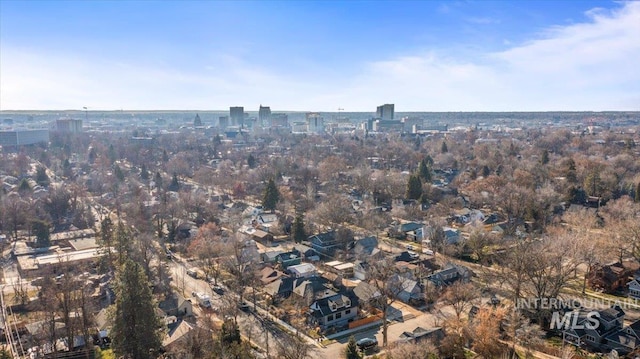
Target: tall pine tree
(271, 196)
(351, 351)
(299, 233)
(135, 331)
(424, 170)
(414, 187)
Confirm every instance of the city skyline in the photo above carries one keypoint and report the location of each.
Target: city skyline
(318, 56)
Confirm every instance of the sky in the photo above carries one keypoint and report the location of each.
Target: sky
(320, 55)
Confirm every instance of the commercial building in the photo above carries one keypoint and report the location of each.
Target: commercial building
(23, 137)
(69, 125)
(236, 115)
(385, 112)
(315, 123)
(279, 120)
(264, 116)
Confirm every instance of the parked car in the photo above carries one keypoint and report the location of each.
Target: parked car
(217, 289)
(244, 306)
(192, 273)
(366, 344)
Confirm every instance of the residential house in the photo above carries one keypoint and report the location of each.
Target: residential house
(288, 259)
(411, 231)
(304, 270)
(280, 289)
(450, 274)
(360, 270)
(634, 288)
(366, 247)
(612, 277)
(307, 252)
(269, 275)
(333, 312)
(626, 340)
(312, 289)
(593, 336)
(176, 305)
(366, 292)
(271, 256)
(325, 244)
(409, 289)
(177, 336)
(266, 222)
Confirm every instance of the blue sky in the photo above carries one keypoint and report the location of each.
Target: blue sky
(420, 55)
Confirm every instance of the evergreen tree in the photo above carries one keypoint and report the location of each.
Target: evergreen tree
(486, 171)
(429, 161)
(144, 173)
(299, 233)
(122, 239)
(135, 332)
(637, 196)
(230, 332)
(424, 170)
(444, 148)
(271, 196)
(592, 184)
(111, 154)
(92, 155)
(351, 351)
(24, 186)
(251, 161)
(571, 171)
(117, 171)
(41, 176)
(414, 187)
(165, 156)
(158, 180)
(42, 233)
(174, 185)
(545, 157)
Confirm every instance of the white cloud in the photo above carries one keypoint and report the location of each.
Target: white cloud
(587, 66)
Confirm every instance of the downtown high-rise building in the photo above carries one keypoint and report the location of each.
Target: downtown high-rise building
(236, 116)
(264, 116)
(385, 112)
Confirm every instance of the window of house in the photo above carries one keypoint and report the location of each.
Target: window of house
(338, 315)
(590, 338)
(330, 318)
(348, 311)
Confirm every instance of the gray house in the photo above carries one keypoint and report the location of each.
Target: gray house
(334, 311)
(634, 288)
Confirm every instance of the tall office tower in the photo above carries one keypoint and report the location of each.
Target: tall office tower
(315, 122)
(385, 112)
(264, 116)
(236, 115)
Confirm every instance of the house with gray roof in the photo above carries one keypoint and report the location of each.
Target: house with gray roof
(333, 312)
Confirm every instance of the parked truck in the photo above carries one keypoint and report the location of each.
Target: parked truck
(202, 299)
